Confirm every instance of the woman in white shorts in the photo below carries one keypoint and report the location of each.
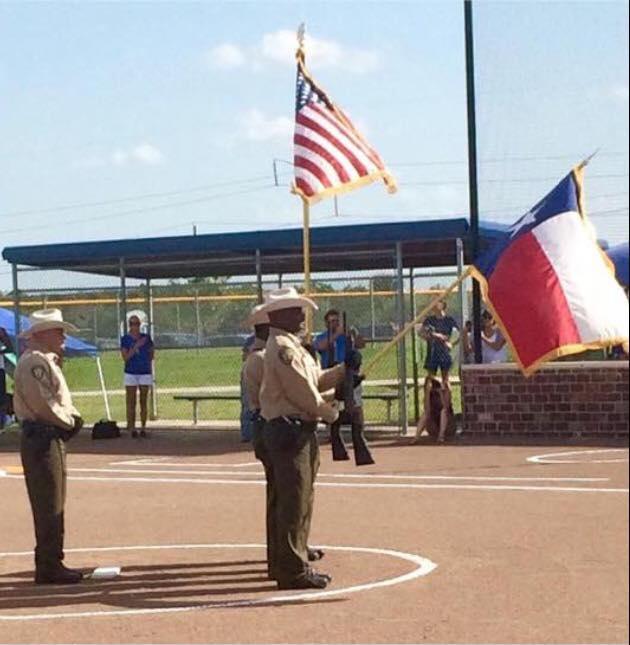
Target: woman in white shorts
(137, 353)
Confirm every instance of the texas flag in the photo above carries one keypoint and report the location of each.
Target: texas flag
(550, 287)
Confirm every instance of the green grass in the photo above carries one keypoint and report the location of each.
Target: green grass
(206, 367)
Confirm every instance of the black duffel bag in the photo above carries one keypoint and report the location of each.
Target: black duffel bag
(105, 429)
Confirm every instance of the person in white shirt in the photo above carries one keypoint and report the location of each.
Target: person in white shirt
(493, 343)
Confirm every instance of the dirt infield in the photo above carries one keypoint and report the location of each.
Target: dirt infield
(432, 544)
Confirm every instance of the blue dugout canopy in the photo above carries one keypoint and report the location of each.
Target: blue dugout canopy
(349, 247)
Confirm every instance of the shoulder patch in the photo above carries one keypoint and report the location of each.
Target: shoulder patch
(40, 373)
(286, 355)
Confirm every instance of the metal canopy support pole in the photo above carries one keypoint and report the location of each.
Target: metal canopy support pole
(402, 354)
(101, 379)
(197, 318)
(414, 348)
(16, 309)
(259, 285)
(123, 299)
(372, 311)
(463, 305)
(473, 196)
(151, 325)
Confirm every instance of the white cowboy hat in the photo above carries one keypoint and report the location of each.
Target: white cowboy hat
(257, 317)
(44, 319)
(287, 298)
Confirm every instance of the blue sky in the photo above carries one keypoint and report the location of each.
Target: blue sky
(192, 102)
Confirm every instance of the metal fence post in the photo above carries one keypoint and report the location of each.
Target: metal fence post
(197, 318)
(459, 248)
(414, 348)
(151, 325)
(123, 298)
(259, 285)
(95, 323)
(16, 308)
(372, 310)
(402, 365)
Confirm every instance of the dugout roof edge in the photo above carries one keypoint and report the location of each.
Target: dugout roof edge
(348, 247)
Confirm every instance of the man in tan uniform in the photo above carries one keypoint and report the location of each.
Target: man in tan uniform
(44, 407)
(292, 401)
(252, 378)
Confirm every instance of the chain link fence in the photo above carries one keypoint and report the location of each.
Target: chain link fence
(199, 331)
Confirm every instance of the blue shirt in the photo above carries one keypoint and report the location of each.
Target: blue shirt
(340, 350)
(139, 363)
(441, 325)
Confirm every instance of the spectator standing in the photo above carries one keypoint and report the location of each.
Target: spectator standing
(493, 343)
(138, 354)
(331, 344)
(437, 329)
(5, 348)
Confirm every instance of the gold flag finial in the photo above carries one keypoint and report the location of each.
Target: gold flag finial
(301, 34)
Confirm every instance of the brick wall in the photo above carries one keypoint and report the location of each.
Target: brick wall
(584, 399)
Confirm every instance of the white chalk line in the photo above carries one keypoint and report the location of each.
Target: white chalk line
(157, 461)
(375, 476)
(548, 457)
(424, 566)
(261, 482)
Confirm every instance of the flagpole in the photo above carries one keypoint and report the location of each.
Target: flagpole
(411, 324)
(306, 252)
(306, 215)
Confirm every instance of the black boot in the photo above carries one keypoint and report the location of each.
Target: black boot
(57, 575)
(310, 580)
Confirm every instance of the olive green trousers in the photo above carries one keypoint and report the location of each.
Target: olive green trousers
(293, 454)
(262, 455)
(44, 463)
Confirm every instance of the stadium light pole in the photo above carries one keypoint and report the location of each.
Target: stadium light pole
(473, 195)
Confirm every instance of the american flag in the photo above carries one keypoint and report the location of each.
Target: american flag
(330, 155)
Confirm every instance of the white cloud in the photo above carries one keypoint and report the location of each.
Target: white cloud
(147, 154)
(226, 56)
(256, 126)
(279, 47)
(144, 153)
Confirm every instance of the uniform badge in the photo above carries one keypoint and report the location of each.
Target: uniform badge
(286, 355)
(41, 374)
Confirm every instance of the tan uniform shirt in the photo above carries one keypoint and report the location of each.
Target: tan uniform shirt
(41, 393)
(253, 373)
(293, 382)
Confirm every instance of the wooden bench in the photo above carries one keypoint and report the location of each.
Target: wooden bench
(196, 397)
(388, 397)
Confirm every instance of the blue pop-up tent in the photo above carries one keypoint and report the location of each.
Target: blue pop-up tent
(619, 256)
(74, 347)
